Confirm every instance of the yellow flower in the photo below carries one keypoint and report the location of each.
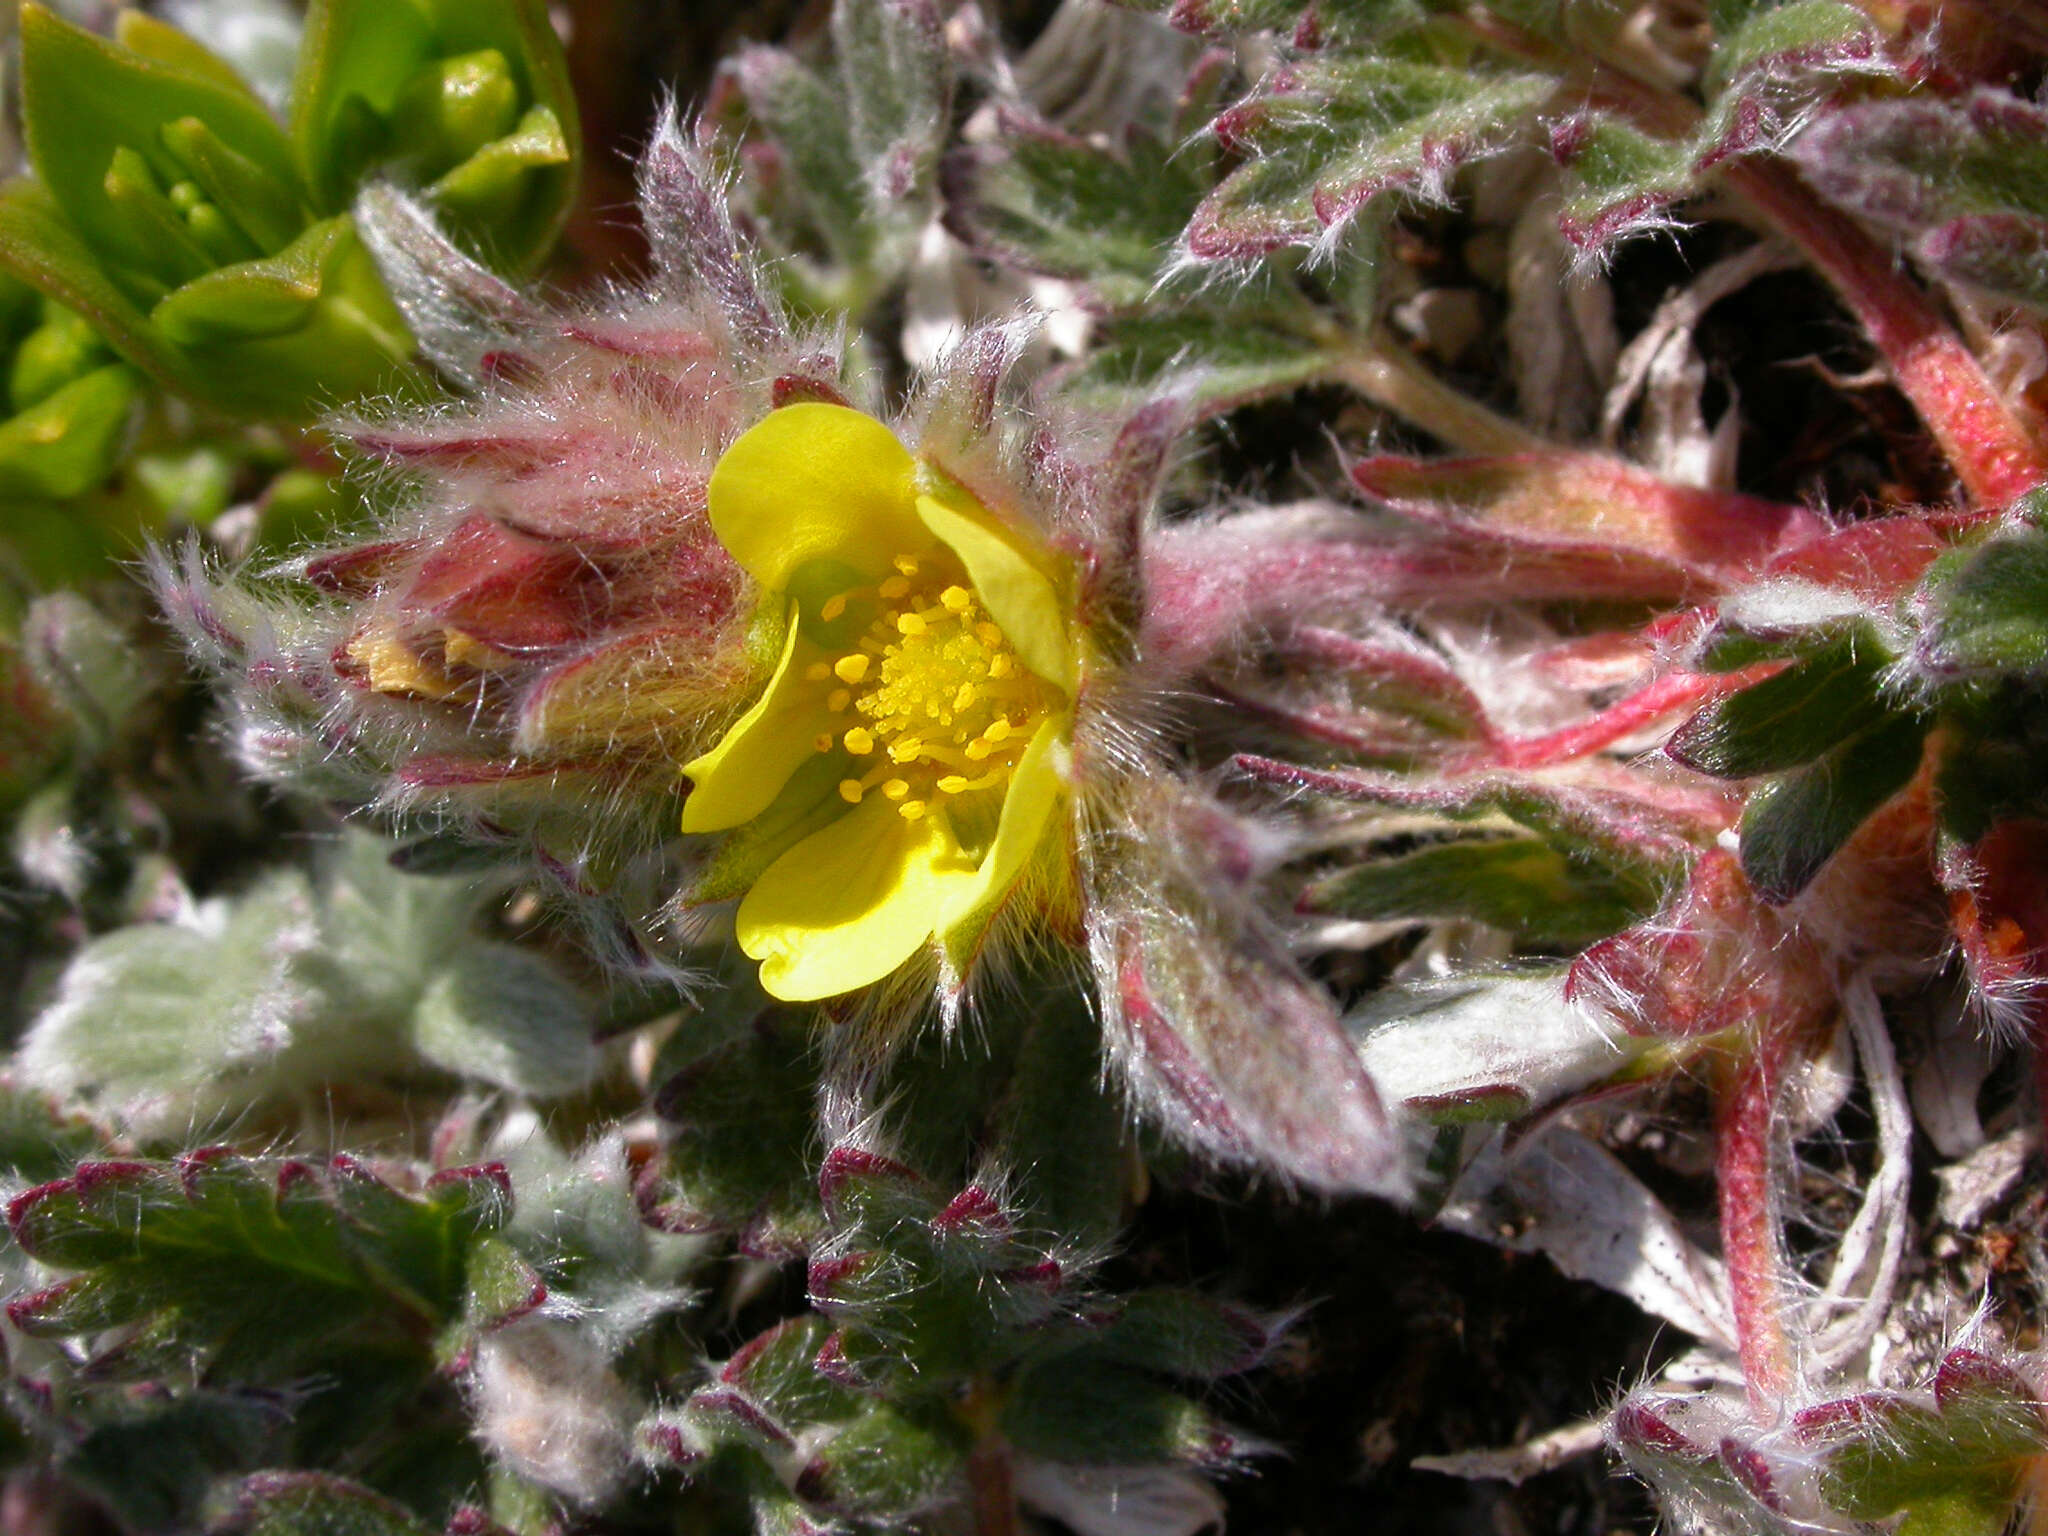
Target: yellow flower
(911, 750)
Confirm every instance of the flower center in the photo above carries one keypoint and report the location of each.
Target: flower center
(932, 692)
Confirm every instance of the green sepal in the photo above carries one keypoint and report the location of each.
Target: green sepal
(1792, 716)
(1987, 611)
(1521, 884)
(1791, 826)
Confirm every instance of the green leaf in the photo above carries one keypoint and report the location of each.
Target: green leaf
(1057, 1126)
(1184, 1333)
(1347, 131)
(1342, 20)
(1811, 36)
(314, 1504)
(153, 1011)
(1917, 1456)
(807, 118)
(59, 350)
(778, 1370)
(70, 442)
(895, 75)
(270, 213)
(741, 1137)
(261, 1266)
(1521, 884)
(1101, 1415)
(1619, 180)
(490, 189)
(89, 663)
(1050, 202)
(1993, 760)
(1217, 358)
(1791, 717)
(1982, 1511)
(1792, 826)
(155, 1464)
(40, 246)
(85, 99)
(498, 1014)
(452, 107)
(143, 34)
(40, 1141)
(410, 83)
(887, 1465)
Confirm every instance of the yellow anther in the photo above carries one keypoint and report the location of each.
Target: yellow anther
(895, 789)
(979, 748)
(838, 699)
(956, 599)
(998, 729)
(953, 783)
(850, 791)
(822, 742)
(834, 607)
(907, 564)
(909, 624)
(817, 672)
(860, 741)
(963, 698)
(905, 751)
(894, 587)
(1001, 665)
(987, 633)
(851, 669)
(910, 810)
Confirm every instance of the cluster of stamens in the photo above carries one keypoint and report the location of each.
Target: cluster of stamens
(932, 692)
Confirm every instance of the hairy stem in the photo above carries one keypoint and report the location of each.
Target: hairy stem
(1384, 373)
(1994, 451)
(1743, 1147)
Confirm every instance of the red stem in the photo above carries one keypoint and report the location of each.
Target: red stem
(992, 1487)
(1743, 1149)
(1665, 696)
(1994, 452)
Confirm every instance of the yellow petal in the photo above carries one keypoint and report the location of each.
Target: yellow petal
(815, 482)
(847, 905)
(1018, 594)
(1038, 787)
(740, 777)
